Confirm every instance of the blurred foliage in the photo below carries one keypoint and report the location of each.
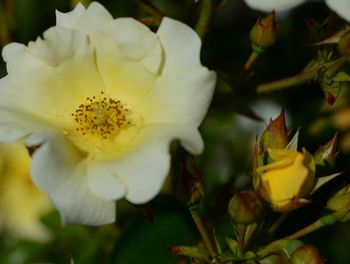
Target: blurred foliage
(228, 135)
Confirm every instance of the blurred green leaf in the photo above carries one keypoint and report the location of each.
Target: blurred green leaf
(145, 242)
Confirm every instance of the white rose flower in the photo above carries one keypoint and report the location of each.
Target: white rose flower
(21, 203)
(103, 98)
(341, 7)
(269, 5)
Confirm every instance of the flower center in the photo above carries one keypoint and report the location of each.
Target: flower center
(103, 117)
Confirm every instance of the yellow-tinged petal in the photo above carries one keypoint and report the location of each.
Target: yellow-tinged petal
(21, 204)
(104, 98)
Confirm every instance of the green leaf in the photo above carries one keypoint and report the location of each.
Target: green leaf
(201, 254)
(233, 245)
(341, 77)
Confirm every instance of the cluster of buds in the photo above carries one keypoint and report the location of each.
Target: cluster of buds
(284, 176)
(283, 179)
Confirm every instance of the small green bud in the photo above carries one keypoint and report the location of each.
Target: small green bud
(339, 204)
(264, 33)
(189, 185)
(344, 44)
(245, 208)
(306, 254)
(279, 257)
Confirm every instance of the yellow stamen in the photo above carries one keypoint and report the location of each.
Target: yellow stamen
(103, 117)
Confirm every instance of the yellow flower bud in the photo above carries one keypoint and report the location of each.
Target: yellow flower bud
(286, 180)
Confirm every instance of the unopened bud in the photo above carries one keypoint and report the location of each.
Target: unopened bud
(189, 185)
(287, 180)
(245, 208)
(275, 136)
(339, 204)
(306, 254)
(264, 33)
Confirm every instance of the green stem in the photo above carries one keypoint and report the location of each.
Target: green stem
(323, 221)
(205, 13)
(251, 60)
(241, 239)
(203, 232)
(287, 82)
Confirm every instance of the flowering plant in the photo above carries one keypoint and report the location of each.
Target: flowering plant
(109, 103)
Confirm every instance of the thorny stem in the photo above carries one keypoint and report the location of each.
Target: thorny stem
(287, 82)
(281, 243)
(251, 60)
(205, 13)
(323, 221)
(203, 232)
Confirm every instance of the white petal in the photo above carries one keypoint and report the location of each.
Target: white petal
(15, 123)
(181, 44)
(269, 5)
(60, 45)
(188, 135)
(144, 171)
(133, 39)
(153, 61)
(341, 7)
(103, 181)
(96, 20)
(137, 42)
(184, 90)
(57, 169)
(126, 80)
(44, 75)
(22, 66)
(179, 97)
(69, 19)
